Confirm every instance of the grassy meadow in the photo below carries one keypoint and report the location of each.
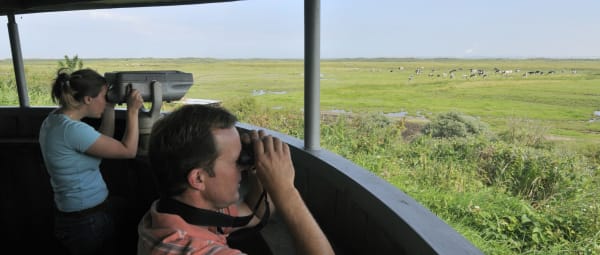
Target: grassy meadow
(564, 101)
(523, 181)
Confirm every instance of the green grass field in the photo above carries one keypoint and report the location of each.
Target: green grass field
(529, 189)
(563, 101)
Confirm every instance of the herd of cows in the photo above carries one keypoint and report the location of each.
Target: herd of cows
(480, 73)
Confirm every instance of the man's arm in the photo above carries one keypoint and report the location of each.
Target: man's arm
(276, 172)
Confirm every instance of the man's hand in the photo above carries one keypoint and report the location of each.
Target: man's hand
(274, 165)
(275, 170)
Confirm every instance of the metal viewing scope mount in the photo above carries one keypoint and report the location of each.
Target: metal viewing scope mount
(155, 87)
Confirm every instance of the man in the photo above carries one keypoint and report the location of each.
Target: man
(195, 156)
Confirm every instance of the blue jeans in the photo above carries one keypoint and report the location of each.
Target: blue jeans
(88, 234)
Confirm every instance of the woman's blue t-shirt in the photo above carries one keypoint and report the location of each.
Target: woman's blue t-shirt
(74, 175)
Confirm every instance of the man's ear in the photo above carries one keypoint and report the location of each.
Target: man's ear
(196, 178)
(87, 99)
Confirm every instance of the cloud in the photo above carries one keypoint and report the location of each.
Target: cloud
(130, 23)
(112, 16)
(469, 51)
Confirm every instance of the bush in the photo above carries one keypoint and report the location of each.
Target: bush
(526, 132)
(372, 134)
(454, 124)
(519, 228)
(530, 173)
(248, 110)
(8, 93)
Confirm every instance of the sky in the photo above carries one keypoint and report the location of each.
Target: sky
(349, 29)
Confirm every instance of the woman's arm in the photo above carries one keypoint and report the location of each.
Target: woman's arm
(107, 127)
(108, 147)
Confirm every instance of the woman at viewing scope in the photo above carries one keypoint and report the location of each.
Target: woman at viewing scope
(73, 150)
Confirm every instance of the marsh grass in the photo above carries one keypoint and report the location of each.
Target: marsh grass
(529, 187)
(563, 102)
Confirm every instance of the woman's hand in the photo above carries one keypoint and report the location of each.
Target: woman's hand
(134, 101)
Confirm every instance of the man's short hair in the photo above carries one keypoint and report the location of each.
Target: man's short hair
(181, 141)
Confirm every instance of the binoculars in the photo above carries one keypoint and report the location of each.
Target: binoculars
(246, 155)
(174, 85)
(155, 87)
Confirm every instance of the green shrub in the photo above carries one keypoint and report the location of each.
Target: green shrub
(8, 93)
(444, 163)
(372, 134)
(248, 111)
(512, 224)
(531, 173)
(244, 108)
(526, 132)
(72, 64)
(454, 124)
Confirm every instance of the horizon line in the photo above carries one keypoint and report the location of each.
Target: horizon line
(341, 58)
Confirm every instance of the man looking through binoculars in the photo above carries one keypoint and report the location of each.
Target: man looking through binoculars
(195, 156)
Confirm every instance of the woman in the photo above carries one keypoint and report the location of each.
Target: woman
(72, 152)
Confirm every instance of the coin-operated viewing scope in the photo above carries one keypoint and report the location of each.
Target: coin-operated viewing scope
(155, 87)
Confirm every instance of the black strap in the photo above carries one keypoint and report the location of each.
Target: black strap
(203, 217)
(243, 233)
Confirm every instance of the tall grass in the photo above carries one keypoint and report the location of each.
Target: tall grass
(505, 198)
(563, 102)
(528, 185)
